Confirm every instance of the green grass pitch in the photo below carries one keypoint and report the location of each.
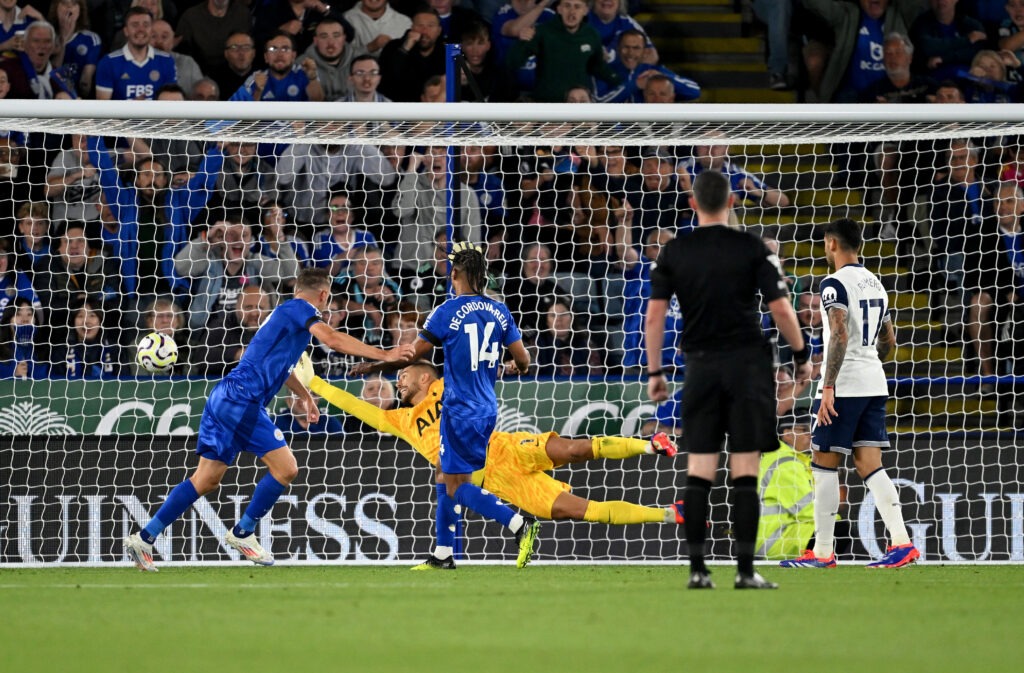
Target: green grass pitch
(489, 619)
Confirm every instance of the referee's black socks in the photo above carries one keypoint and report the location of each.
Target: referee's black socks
(697, 496)
(746, 509)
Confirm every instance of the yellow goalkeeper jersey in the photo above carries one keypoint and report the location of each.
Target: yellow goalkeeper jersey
(417, 425)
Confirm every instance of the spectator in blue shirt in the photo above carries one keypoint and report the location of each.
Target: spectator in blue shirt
(81, 47)
(610, 20)
(636, 294)
(633, 72)
(333, 248)
(487, 185)
(509, 22)
(18, 357)
(283, 80)
(137, 70)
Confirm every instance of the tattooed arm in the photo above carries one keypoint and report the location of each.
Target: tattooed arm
(886, 340)
(836, 345)
(836, 355)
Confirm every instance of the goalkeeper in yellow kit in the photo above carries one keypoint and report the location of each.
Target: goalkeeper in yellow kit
(517, 462)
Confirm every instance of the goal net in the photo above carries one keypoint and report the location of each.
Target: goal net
(193, 219)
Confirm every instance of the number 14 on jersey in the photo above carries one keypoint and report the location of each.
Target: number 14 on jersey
(481, 350)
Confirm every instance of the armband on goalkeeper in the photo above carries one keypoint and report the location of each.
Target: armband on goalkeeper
(802, 356)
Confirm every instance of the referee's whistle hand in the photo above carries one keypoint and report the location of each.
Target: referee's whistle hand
(657, 389)
(802, 373)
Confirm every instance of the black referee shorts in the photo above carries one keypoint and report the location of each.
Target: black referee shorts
(729, 392)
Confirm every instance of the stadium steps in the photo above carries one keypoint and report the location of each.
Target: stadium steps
(816, 250)
(819, 268)
(788, 166)
(746, 96)
(691, 23)
(724, 6)
(832, 197)
(909, 300)
(715, 75)
(960, 404)
(928, 353)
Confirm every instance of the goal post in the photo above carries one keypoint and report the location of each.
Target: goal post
(118, 218)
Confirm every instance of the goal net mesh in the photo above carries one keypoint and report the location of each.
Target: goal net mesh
(113, 228)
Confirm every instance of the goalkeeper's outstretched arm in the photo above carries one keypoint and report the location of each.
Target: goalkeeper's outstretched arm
(388, 422)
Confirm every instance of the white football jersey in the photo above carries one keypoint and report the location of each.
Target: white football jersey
(859, 291)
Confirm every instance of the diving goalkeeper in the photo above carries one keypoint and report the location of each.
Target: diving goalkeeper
(517, 462)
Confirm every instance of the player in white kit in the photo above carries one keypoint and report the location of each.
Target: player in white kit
(850, 408)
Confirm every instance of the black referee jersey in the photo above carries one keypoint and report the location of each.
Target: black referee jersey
(716, 273)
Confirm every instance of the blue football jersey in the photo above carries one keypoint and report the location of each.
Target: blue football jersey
(471, 329)
(291, 87)
(131, 80)
(273, 352)
(81, 50)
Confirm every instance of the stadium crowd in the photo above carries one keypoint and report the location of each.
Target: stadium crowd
(104, 238)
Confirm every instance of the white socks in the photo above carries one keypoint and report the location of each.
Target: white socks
(887, 500)
(826, 507)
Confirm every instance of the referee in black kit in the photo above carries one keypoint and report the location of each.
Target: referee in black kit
(716, 272)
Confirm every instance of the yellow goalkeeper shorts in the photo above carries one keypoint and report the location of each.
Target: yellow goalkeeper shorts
(516, 472)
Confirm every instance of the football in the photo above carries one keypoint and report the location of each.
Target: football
(156, 353)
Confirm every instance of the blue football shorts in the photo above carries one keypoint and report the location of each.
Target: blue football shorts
(229, 427)
(464, 442)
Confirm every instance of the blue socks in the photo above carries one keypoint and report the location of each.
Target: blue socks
(184, 494)
(180, 499)
(446, 518)
(444, 523)
(263, 498)
(485, 504)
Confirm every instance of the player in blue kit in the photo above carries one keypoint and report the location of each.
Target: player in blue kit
(235, 418)
(137, 70)
(471, 328)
